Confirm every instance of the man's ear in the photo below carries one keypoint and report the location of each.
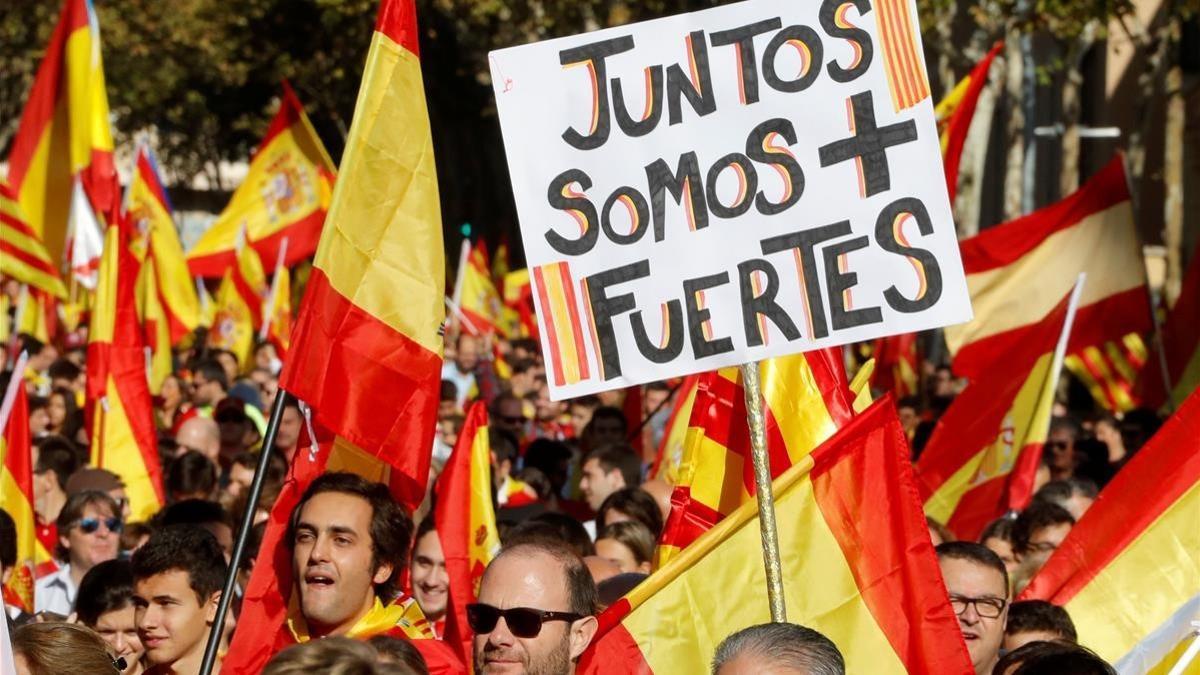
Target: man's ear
(210, 607)
(383, 573)
(582, 632)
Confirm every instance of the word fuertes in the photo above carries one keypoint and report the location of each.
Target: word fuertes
(696, 192)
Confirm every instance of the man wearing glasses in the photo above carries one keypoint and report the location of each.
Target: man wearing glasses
(89, 533)
(978, 585)
(534, 613)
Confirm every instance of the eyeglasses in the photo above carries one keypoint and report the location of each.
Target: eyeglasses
(987, 608)
(524, 622)
(90, 525)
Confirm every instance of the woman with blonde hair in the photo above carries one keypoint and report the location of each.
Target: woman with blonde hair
(55, 647)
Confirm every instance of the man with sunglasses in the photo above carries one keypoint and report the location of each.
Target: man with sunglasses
(89, 533)
(534, 613)
(978, 586)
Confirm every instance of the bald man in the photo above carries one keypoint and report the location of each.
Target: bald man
(201, 434)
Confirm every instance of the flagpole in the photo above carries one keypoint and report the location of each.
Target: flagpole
(464, 256)
(762, 486)
(1190, 654)
(243, 535)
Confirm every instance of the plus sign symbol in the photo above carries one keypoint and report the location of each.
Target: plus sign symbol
(868, 144)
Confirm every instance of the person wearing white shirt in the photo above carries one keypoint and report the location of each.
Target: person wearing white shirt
(89, 532)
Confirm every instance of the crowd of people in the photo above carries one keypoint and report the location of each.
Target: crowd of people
(577, 515)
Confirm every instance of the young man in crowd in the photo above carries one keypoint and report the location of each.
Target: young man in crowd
(534, 613)
(1037, 533)
(177, 580)
(89, 532)
(430, 583)
(56, 462)
(607, 470)
(350, 541)
(978, 587)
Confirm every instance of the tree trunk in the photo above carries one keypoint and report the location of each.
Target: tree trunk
(1173, 144)
(974, 157)
(1068, 179)
(945, 65)
(1015, 91)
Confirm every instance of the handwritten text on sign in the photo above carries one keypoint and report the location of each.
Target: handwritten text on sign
(719, 187)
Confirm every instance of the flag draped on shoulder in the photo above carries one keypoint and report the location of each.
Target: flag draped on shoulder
(16, 493)
(64, 134)
(285, 195)
(23, 256)
(1018, 271)
(858, 566)
(1181, 346)
(981, 459)
(366, 351)
(149, 211)
(806, 398)
(1128, 573)
(466, 522)
(955, 112)
(120, 411)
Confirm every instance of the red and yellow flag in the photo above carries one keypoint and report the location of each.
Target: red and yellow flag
(896, 365)
(1110, 370)
(366, 352)
(981, 459)
(858, 566)
(120, 412)
(1181, 346)
(64, 133)
(239, 306)
(149, 211)
(518, 303)
(23, 256)
(670, 448)
(466, 522)
(36, 314)
(806, 398)
(1129, 571)
(285, 195)
(479, 300)
(1017, 272)
(16, 493)
(954, 114)
(278, 325)
(156, 331)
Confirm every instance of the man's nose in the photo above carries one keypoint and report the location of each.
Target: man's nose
(501, 635)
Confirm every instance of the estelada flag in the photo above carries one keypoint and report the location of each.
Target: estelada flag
(23, 255)
(16, 491)
(64, 134)
(479, 300)
(1017, 272)
(981, 459)
(466, 522)
(857, 564)
(149, 210)
(1128, 573)
(120, 411)
(806, 399)
(896, 365)
(285, 194)
(366, 351)
(955, 112)
(1181, 345)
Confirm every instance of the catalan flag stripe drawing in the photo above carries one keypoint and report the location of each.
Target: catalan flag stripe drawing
(904, 66)
(560, 317)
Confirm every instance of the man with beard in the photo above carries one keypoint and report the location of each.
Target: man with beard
(350, 542)
(534, 614)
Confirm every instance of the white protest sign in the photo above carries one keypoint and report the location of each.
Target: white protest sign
(720, 187)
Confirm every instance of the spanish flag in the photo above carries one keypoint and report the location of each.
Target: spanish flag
(479, 300)
(981, 459)
(857, 563)
(36, 314)
(277, 325)
(16, 492)
(156, 331)
(149, 211)
(1129, 571)
(1181, 345)
(120, 412)
(285, 195)
(896, 365)
(806, 399)
(466, 522)
(1018, 271)
(239, 300)
(64, 133)
(670, 448)
(518, 303)
(23, 256)
(954, 114)
(366, 351)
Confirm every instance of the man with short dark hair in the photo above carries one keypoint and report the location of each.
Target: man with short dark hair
(534, 613)
(1076, 495)
(606, 426)
(89, 532)
(1037, 621)
(177, 579)
(778, 648)
(350, 541)
(1059, 451)
(607, 470)
(56, 462)
(428, 577)
(209, 386)
(1037, 533)
(978, 586)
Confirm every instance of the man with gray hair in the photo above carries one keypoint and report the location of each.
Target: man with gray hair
(778, 649)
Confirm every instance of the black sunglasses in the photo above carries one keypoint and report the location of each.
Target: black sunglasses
(524, 622)
(90, 525)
